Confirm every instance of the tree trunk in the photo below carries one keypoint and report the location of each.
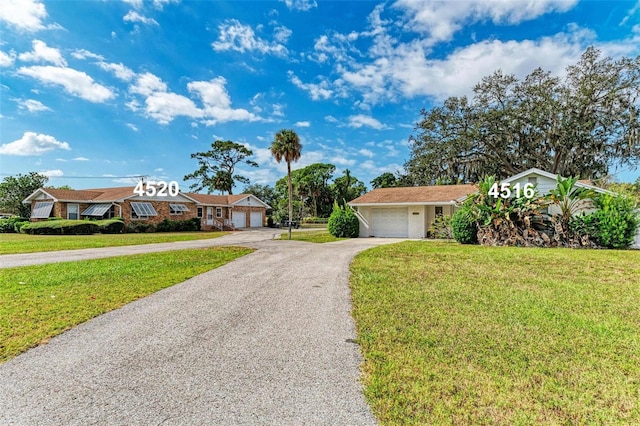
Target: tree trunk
(290, 196)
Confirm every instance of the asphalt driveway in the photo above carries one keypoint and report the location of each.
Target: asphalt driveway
(266, 339)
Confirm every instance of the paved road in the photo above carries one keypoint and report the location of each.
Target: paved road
(262, 340)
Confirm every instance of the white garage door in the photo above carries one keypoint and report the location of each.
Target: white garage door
(256, 219)
(239, 219)
(389, 222)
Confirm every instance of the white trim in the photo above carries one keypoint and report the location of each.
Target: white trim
(265, 205)
(413, 203)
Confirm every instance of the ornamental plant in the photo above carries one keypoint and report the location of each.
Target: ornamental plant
(343, 223)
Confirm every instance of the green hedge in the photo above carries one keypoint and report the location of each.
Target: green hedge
(111, 226)
(61, 227)
(463, 226)
(8, 225)
(178, 225)
(72, 227)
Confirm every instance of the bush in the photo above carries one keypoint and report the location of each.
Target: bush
(111, 226)
(8, 225)
(463, 226)
(615, 220)
(343, 223)
(61, 227)
(179, 225)
(441, 227)
(17, 227)
(139, 227)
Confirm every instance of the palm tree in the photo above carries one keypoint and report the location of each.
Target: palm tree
(286, 146)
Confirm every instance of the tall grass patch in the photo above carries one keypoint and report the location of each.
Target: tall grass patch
(457, 334)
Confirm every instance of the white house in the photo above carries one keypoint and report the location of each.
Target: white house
(408, 212)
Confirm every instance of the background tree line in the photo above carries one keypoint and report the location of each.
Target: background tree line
(581, 124)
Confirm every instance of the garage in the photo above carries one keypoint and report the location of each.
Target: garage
(256, 219)
(239, 219)
(389, 222)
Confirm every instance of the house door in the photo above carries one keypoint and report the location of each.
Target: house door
(209, 215)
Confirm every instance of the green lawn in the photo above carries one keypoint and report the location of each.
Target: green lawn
(322, 236)
(22, 243)
(457, 334)
(39, 302)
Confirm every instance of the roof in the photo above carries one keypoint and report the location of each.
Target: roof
(583, 183)
(109, 195)
(439, 194)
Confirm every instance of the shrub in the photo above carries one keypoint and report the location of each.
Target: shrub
(616, 221)
(343, 223)
(463, 226)
(8, 225)
(441, 227)
(17, 227)
(111, 226)
(61, 227)
(139, 227)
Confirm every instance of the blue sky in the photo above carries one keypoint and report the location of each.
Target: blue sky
(94, 91)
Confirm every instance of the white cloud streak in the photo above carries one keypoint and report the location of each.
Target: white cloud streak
(32, 143)
(74, 82)
(43, 53)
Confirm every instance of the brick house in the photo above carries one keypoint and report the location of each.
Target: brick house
(216, 212)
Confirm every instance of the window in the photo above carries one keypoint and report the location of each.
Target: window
(72, 211)
(199, 212)
(178, 208)
(142, 211)
(439, 211)
(218, 212)
(532, 180)
(97, 210)
(42, 210)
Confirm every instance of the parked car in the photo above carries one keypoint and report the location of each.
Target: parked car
(294, 224)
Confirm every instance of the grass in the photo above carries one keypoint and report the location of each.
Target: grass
(39, 302)
(22, 243)
(310, 236)
(457, 334)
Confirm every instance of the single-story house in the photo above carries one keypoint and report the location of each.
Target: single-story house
(217, 212)
(408, 212)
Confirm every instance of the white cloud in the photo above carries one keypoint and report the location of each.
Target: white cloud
(31, 105)
(52, 173)
(165, 106)
(360, 120)
(342, 161)
(81, 159)
(119, 70)
(84, 54)
(281, 34)
(132, 127)
(26, 15)
(148, 83)
(302, 5)
(74, 82)
(217, 102)
(241, 38)
(7, 59)
(43, 53)
(134, 16)
(441, 20)
(367, 153)
(317, 92)
(302, 124)
(331, 119)
(32, 143)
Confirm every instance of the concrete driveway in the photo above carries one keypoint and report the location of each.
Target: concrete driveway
(266, 339)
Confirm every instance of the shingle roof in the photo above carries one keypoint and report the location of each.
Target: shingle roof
(415, 194)
(218, 200)
(72, 194)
